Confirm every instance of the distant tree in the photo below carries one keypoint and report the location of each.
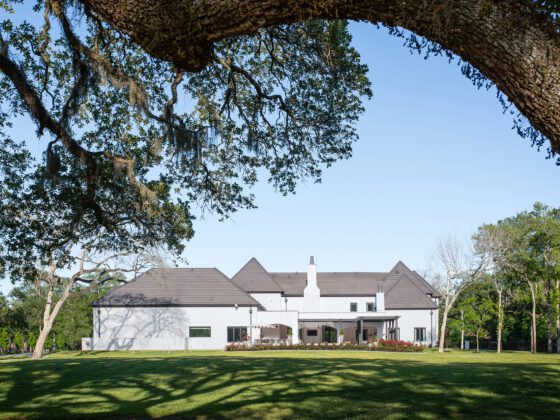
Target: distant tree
(455, 267)
(477, 308)
(494, 242)
(535, 259)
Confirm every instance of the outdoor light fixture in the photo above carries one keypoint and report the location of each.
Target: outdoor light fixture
(251, 325)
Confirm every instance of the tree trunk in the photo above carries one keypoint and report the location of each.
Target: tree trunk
(462, 332)
(47, 324)
(558, 316)
(533, 318)
(548, 316)
(443, 327)
(43, 335)
(510, 41)
(500, 320)
(477, 343)
(49, 317)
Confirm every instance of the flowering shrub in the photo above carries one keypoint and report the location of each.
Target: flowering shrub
(398, 345)
(382, 345)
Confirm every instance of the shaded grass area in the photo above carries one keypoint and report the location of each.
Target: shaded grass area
(283, 384)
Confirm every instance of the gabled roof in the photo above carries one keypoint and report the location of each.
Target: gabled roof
(331, 284)
(404, 293)
(254, 278)
(179, 287)
(404, 288)
(422, 284)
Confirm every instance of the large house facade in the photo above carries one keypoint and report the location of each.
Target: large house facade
(201, 308)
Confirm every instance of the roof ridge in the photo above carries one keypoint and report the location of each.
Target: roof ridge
(394, 284)
(244, 265)
(232, 282)
(426, 297)
(261, 267)
(424, 281)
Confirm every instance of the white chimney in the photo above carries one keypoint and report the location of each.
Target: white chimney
(311, 293)
(380, 299)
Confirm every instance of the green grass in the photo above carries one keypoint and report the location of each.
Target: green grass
(282, 384)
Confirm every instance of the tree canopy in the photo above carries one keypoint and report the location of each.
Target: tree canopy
(147, 110)
(514, 44)
(132, 143)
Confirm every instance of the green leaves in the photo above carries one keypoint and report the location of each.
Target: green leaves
(132, 147)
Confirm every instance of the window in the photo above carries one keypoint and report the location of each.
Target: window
(199, 331)
(419, 334)
(353, 307)
(312, 333)
(236, 334)
(370, 307)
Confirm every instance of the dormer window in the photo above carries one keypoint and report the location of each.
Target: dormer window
(353, 307)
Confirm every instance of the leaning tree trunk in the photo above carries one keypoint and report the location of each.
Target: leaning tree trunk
(443, 327)
(510, 41)
(48, 320)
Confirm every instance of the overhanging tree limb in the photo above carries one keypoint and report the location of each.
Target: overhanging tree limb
(512, 42)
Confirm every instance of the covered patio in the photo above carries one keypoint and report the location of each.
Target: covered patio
(361, 328)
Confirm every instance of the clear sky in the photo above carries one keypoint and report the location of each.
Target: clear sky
(435, 155)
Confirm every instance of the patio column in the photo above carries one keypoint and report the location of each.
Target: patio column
(295, 332)
(361, 340)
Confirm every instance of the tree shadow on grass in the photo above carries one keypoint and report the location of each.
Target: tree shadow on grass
(276, 387)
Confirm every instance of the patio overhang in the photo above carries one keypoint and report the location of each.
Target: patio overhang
(344, 316)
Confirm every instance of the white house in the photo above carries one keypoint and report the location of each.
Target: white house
(201, 308)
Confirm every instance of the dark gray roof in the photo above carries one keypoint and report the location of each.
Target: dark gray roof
(331, 284)
(426, 287)
(292, 283)
(179, 287)
(254, 278)
(402, 292)
(404, 288)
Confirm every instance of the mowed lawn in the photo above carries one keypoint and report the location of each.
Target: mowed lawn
(281, 384)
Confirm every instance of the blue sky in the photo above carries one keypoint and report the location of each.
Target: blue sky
(435, 155)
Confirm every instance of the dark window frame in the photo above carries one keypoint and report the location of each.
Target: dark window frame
(314, 332)
(200, 328)
(422, 337)
(237, 334)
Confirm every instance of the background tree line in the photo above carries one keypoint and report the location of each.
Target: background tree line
(503, 287)
(21, 314)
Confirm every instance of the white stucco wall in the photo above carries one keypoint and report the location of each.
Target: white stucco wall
(270, 301)
(311, 293)
(295, 303)
(415, 318)
(165, 328)
(342, 304)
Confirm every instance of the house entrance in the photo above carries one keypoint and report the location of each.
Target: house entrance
(329, 334)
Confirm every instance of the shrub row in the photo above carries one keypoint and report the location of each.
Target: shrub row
(382, 345)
